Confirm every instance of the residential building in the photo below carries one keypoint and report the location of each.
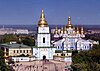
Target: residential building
(15, 49)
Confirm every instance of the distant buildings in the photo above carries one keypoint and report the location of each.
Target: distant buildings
(93, 31)
(13, 31)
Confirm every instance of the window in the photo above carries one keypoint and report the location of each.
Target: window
(7, 49)
(14, 51)
(27, 51)
(30, 51)
(23, 51)
(43, 40)
(85, 47)
(17, 51)
(62, 54)
(58, 47)
(20, 51)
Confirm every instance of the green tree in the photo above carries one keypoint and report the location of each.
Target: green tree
(9, 37)
(28, 41)
(3, 66)
(87, 60)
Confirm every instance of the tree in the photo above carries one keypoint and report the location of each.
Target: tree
(3, 66)
(87, 60)
(8, 38)
(74, 52)
(2, 62)
(28, 41)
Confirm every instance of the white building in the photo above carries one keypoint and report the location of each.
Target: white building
(43, 47)
(4, 31)
(22, 31)
(70, 38)
(67, 38)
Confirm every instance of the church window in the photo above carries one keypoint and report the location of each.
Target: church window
(43, 40)
(85, 47)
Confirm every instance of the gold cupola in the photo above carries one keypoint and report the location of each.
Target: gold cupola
(56, 30)
(42, 22)
(62, 30)
(69, 25)
(77, 30)
(74, 32)
(65, 30)
(82, 30)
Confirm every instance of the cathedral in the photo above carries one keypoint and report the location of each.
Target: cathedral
(67, 38)
(70, 38)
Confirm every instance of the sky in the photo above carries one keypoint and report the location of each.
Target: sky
(27, 12)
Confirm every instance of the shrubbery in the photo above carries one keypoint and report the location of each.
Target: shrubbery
(87, 60)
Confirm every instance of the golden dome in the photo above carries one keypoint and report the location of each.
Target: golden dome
(74, 31)
(65, 30)
(56, 30)
(62, 30)
(77, 30)
(82, 30)
(42, 22)
(69, 25)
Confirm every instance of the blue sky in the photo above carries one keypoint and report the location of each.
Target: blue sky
(24, 12)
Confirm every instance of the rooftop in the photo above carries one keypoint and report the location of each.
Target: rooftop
(14, 45)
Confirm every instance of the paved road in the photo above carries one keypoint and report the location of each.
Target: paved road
(50, 65)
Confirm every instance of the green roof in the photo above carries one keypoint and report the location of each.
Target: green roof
(15, 45)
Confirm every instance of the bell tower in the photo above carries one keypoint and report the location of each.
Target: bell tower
(43, 37)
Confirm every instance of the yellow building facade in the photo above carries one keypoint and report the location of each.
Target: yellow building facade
(16, 50)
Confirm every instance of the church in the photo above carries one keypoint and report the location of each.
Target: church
(43, 47)
(70, 38)
(64, 39)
